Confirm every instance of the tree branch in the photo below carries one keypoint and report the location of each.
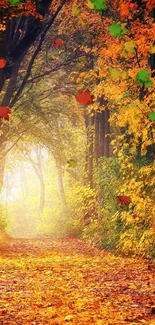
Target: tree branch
(57, 68)
(43, 34)
(9, 149)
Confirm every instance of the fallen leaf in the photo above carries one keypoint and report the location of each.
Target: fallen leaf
(68, 318)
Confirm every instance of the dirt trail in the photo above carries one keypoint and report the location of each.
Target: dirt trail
(55, 282)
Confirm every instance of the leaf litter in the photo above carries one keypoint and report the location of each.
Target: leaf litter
(68, 281)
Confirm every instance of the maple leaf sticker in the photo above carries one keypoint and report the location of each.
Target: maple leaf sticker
(129, 47)
(2, 63)
(81, 23)
(151, 116)
(123, 199)
(72, 163)
(142, 78)
(99, 5)
(152, 50)
(15, 2)
(84, 97)
(117, 30)
(4, 112)
(75, 11)
(57, 43)
(115, 73)
(89, 4)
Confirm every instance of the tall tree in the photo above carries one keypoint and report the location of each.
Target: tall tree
(20, 30)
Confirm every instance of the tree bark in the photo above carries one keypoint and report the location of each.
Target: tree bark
(5, 102)
(41, 178)
(89, 123)
(11, 85)
(2, 159)
(97, 149)
(42, 194)
(14, 48)
(38, 167)
(102, 134)
(91, 151)
(60, 184)
(107, 132)
(104, 130)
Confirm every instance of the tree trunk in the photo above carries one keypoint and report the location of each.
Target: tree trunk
(12, 45)
(2, 160)
(104, 130)
(87, 136)
(38, 167)
(60, 184)
(107, 132)
(11, 84)
(101, 134)
(5, 102)
(91, 151)
(41, 178)
(42, 194)
(97, 149)
(89, 123)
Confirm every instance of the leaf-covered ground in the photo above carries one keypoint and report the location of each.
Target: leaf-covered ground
(67, 281)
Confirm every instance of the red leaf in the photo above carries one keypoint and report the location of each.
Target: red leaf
(2, 63)
(57, 43)
(4, 112)
(123, 199)
(84, 97)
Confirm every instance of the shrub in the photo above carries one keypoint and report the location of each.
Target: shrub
(105, 229)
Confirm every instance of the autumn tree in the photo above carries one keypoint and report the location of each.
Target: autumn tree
(22, 27)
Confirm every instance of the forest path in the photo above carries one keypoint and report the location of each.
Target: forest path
(56, 282)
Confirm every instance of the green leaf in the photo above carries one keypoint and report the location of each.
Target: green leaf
(148, 83)
(116, 30)
(141, 83)
(15, 2)
(142, 78)
(99, 5)
(142, 75)
(151, 116)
